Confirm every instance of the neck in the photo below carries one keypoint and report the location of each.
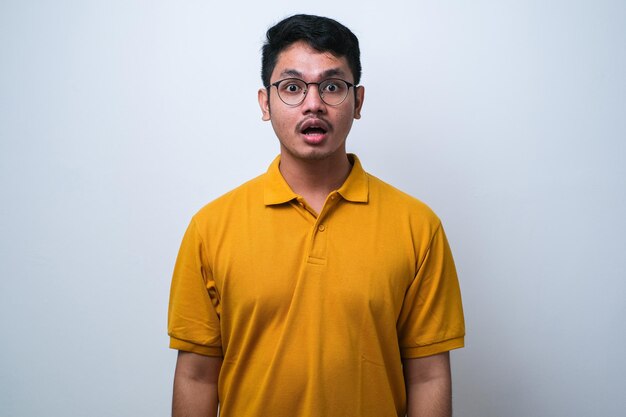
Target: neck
(315, 179)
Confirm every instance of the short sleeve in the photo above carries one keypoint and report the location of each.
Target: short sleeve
(431, 319)
(194, 308)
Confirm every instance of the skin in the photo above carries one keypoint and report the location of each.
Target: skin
(428, 383)
(195, 385)
(313, 166)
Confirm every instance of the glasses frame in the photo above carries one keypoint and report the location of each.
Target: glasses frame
(318, 84)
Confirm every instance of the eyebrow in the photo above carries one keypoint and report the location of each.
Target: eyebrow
(333, 72)
(291, 73)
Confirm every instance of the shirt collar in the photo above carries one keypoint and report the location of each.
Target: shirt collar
(355, 188)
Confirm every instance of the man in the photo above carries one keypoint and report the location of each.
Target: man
(315, 289)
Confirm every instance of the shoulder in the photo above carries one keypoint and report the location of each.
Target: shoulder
(243, 197)
(398, 203)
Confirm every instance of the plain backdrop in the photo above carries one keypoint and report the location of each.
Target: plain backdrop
(119, 119)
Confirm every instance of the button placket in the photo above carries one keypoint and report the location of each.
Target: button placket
(319, 239)
(320, 233)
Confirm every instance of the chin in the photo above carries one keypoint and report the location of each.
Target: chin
(312, 154)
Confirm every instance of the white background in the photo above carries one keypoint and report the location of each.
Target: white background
(120, 119)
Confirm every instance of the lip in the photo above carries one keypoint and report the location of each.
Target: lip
(312, 122)
(315, 138)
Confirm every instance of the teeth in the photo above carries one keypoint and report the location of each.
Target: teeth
(314, 130)
(310, 127)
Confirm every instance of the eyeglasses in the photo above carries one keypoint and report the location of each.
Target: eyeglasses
(292, 91)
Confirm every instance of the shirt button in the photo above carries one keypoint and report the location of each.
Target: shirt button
(321, 227)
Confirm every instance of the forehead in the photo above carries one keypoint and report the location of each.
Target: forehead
(301, 60)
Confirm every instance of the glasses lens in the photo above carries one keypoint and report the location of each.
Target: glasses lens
(291, 91)
(334, 91)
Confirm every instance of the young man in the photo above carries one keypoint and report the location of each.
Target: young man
(315, 289)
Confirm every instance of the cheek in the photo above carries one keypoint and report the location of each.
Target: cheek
(345, 112)
(345, 117)
(282, 124)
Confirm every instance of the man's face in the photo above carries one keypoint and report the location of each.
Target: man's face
(312, 130)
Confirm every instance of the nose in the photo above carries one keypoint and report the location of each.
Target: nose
(313, 102)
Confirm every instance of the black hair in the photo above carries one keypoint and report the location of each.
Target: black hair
(320, 33)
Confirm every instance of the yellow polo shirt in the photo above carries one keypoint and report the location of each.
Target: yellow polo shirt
(313, 313)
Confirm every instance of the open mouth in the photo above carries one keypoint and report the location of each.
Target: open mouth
(314, 128)
(314, 131)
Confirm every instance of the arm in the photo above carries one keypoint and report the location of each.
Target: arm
(428, 386)
(195, 385)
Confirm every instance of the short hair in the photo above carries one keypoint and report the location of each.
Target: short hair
(320, 33)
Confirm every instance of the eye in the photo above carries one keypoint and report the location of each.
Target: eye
(291, 87)
(333, 87)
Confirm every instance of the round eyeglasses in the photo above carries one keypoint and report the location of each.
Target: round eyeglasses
(292, 91)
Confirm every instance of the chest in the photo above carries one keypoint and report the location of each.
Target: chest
(345, 262)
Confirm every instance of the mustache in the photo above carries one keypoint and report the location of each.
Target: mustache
(313, 121)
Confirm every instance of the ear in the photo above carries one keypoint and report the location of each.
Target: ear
(358, 103)
(264, 103)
